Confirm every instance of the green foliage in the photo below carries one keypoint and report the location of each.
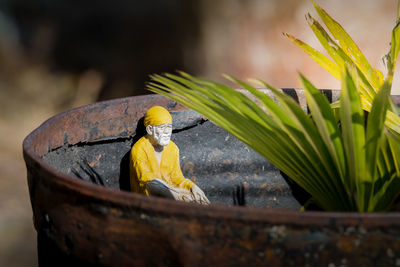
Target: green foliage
(346, 158)
(345, 53)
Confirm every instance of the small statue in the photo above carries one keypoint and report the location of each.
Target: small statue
(154, 162)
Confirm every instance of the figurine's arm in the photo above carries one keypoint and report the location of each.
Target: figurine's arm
(176, 176)
(182, 182)
(141, 167)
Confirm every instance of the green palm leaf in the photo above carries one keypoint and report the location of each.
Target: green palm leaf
(344, 159)
(344, 51)
(309, 150)
(317, 56)
(350, 48)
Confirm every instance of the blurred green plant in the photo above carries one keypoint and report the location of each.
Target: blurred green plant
(346, 155)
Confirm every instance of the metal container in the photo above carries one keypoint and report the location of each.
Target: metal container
(84, 214)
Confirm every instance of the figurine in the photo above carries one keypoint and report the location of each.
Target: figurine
(154, 162)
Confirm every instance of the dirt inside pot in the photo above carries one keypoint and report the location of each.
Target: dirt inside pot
(216, 161)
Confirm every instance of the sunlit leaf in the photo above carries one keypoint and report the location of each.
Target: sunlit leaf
(317, 56)
(350, 48)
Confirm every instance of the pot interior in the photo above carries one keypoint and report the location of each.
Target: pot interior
(215, 160)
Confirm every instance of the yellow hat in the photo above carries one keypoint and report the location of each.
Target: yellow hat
(156, 116)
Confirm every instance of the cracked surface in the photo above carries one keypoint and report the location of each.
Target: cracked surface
(211, 157)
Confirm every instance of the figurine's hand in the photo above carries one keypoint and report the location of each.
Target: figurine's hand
(199, 195)
(180, 194)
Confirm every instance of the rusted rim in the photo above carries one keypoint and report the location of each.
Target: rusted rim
(254, 214)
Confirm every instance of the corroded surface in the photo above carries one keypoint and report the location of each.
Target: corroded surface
(210, 156)
(82, 223)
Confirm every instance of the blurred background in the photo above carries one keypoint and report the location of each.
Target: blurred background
(59, 54)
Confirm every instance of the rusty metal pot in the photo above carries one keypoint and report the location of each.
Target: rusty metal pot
(81, 222)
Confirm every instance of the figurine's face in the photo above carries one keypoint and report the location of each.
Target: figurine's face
(161, 133)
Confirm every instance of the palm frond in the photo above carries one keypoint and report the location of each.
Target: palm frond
(345, 159)
(345, 52)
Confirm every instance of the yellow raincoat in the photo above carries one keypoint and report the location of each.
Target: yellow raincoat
(144, 166)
